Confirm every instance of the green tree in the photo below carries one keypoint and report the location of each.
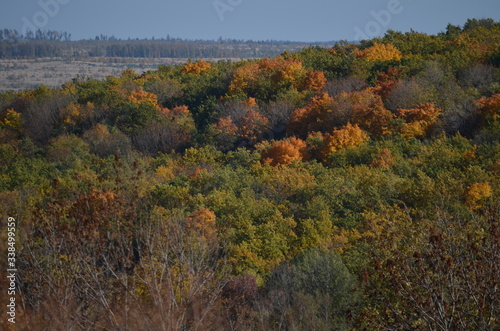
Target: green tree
(314, 292)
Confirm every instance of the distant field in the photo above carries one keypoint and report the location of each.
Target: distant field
(19, 75)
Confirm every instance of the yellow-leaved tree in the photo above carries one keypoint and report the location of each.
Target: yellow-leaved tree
(11, 120)
(10, 125)
(381, 52)
(244, 79)
(476, 193)
(347, 136)
(139, 96)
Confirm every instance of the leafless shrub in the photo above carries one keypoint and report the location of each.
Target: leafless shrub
(278, 113)
(234, 109)
(164, 89)
(480, 76)
(160, 136)
(104, 142)
(42, 117)
(405, 95)
(345, 84)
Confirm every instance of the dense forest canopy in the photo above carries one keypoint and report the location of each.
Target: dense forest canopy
(340, 188)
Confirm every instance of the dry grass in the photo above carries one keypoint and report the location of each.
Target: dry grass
(19, 75)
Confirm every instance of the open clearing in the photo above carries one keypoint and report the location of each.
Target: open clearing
(19, 75)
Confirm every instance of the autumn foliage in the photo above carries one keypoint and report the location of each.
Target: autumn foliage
(10, 125)
(489, 107)
(323, 113)
(321, 189)
(245, 78)
(386, 82)
(347, 136)
(285, 152)
(384, 159)
(203, 223)
(258, 78)
(140, 96)
(281, 70)
(196, 68)
(248, 125)
(311, 117)
(381, 52)
(476, 193)
(419, 121)
(315, 81)
(369, 113)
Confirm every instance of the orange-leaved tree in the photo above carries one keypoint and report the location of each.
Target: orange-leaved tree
(202, 225)
(489, 107)
(384, 159)
(283, 71)
(285, 152)
(386, 82)
(324, 113)
(253, 126)
(369, 113)
(312, 117)
(265, 77)
(315, 81)
(196, 68)
(419, 121)
(244, 123)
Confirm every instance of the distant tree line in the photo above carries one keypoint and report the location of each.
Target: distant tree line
(9, 35)
(58, 44)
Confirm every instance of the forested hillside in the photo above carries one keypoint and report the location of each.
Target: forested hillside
(346, 188)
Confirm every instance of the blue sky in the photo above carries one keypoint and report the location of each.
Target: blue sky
(297, 20)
